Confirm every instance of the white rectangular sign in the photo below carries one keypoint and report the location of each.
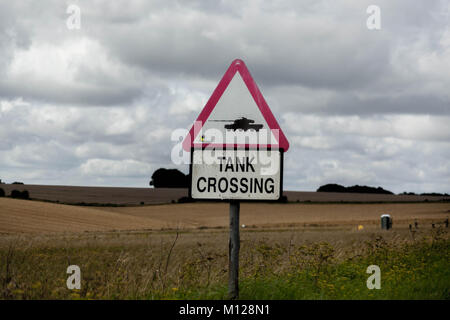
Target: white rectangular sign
(236, 174)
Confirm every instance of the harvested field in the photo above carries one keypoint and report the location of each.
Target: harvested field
(136, 196)
(98, 195)
(288, 251)
(35, 216)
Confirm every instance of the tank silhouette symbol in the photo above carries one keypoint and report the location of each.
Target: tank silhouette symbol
(242, 123)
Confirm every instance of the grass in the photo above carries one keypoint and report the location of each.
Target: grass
(411, 271)
(194, 266)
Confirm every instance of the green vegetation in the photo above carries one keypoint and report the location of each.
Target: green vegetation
(118, 268)
(412, 271)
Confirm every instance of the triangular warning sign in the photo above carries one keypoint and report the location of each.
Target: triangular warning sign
(236, 106)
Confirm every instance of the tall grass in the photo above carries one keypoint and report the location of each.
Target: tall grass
(173, 269)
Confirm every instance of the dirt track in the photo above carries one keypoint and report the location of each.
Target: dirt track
(33, 216)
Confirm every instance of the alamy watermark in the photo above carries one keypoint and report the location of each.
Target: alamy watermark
(73, 22)
(261, 145)
(374, 281)
(373, 22)
(74, 280)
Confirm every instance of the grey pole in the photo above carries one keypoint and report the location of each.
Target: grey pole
(233, 255)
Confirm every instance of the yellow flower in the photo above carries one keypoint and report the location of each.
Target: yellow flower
(174, 289)
(74, 295)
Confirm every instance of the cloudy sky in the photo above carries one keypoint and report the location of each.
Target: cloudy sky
(97, 105)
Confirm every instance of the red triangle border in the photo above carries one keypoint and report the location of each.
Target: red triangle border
(237, 66)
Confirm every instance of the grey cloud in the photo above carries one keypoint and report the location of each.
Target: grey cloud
(69, 95)
(411, 103)
(358, 106)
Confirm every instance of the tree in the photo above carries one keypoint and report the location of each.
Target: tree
(25, 194)
(332, 187)
(16, 194)
(169, 178)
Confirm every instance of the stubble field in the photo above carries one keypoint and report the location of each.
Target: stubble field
(19, 216)
(173, 251)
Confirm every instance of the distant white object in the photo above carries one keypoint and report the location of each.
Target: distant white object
(243, 226)
(386, 221)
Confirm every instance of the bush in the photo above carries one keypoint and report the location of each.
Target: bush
(185, 200)
(16, 194)
(2, 192)
(435, 194)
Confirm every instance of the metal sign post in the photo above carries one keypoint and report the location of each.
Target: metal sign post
(233, 254)
(237, 149)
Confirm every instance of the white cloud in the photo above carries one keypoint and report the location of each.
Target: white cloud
(187, 101)
(115, 168)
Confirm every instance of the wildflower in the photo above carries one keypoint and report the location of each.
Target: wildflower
(36, 285)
